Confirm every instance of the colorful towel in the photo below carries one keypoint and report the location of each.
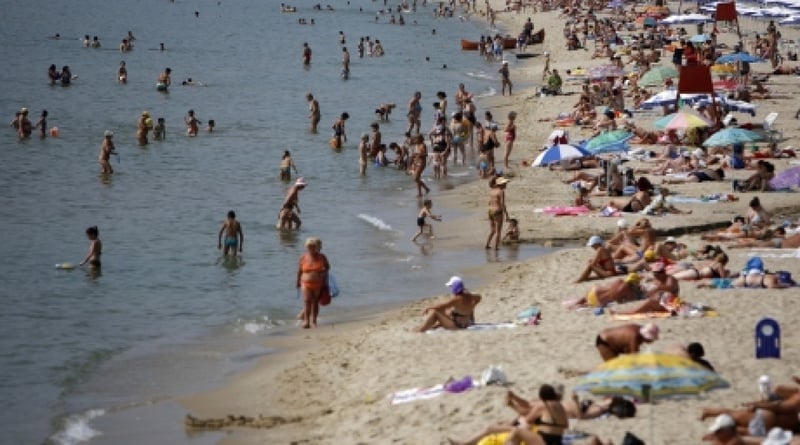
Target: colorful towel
(651, 315)
(415, 394)
(564, 211)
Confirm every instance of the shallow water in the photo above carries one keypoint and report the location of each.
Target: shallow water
(168, 315)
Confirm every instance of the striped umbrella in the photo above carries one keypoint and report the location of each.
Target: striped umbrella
(681, 121)
(558, 153)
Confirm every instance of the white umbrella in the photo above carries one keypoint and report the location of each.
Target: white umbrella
(683, 19)
(558, 153)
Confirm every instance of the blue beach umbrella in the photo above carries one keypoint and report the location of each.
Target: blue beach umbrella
(730, 136)
(739, 57)
(558, 153)
(608, 142)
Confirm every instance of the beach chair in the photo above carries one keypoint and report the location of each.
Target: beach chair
(768, 339)
(771, 133)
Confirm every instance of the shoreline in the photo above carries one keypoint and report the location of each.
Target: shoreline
(287, 387)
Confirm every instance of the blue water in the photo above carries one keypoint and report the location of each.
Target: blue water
(166, 306)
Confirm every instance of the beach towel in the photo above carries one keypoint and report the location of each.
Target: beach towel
(477, 327)
(773, 253)
(415, 394)
(564, 211)
(694, 313)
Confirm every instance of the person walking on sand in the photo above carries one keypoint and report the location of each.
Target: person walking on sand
(497, 210)
(106, 150)
(505, 79)
(511, 136)
(95, 248)
(624, 339)
(312, 278)
(313, 112)
(234, 236)
(458, 312)
(422, 222)
(306, 54)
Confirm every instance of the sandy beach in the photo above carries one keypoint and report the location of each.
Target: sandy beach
(330, 385)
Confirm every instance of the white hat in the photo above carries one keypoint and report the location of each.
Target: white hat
(456, 284)
(546, 53)
(777, 436)
(699, 153)
(722, 421)
(300, 181)
(594, 241)
(670, 239)
(622, 224)
(108, 134)
(505, 62)
(649, 332)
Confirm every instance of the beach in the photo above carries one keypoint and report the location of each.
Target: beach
(330, 385)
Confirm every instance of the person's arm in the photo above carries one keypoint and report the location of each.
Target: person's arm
(442, 306)
(503, 203)
(88, 255)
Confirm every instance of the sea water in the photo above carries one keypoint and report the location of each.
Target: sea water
(168, 315)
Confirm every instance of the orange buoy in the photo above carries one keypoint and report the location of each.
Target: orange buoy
(54, 132)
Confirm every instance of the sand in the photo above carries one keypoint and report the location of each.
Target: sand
(330, 386)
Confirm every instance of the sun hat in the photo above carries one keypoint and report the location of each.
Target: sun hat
(670, 239)
(649, 255)
(108, 134)
(456, 284)
(501, 180)
(778, 436)
(658, 266)
(594, 240)
(622, 224)
(300, 181)
(722, 421)
(632, 277)
(145, 114)
(649, 332)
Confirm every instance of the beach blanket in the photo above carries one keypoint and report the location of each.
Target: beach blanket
(652, 315)
(415, 394)
(564, 211)
(772, 253)
(691, 200)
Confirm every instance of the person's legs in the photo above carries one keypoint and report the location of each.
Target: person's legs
(491, 429)
(517, 403)
(315, 308)
(436, 319)
(308, 305)
(498, 221)
(509, 147)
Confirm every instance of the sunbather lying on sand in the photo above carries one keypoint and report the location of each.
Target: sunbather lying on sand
(702, 175)
(737, 229)
(782, 412)
(710, 269)
(618, 290)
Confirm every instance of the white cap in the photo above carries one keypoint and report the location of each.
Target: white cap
(699, 153)
(670, 239)
(456, 284)
(108, 134)
(722, 421)
(622, 224)
(778, 436)
(594, 241)
(505, 62)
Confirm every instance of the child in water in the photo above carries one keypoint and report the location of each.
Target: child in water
(160, 130)
(234, 236)
(422, 222)
(512, 233)
(211, 125)
(42, 125)
(95, 248)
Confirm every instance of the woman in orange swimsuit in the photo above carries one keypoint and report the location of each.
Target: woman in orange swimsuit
(312, 278)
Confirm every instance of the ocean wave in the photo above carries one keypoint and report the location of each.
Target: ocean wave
(489, 92)
(258, 325)
(77, 430)
(480, 75)
(375, 222)
(459, 174)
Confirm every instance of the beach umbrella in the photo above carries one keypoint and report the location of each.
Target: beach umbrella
(700, 38)
(604, 71)
(786, 179)
(558, 153)
(668, 97)
(729, 136)
(790, 21)
(649, 376)
(608, 142)
(739, 57)
(649, 21)
(681, 121)
(657, 75)
(685, 19)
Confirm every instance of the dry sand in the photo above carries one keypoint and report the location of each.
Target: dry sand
(331, 387)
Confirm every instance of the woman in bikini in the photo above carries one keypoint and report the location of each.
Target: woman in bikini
(601, 265)
(511, 135)
(638, 201)
(419, 160)
(497, 210)
(458, 312)
(312, 278)
(712, 269)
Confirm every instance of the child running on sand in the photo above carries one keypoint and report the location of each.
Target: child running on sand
(421, 219)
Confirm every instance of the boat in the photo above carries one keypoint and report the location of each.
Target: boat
(525, 55)
(536, 38)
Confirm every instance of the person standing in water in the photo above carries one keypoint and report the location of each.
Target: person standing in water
(95, 248)
(363, 154)
(306, 54)
(291, 206)
(192, 124)
(339, 135)
(505, 79)
(234, 236)
(144, 125)
(42, 125)
(414, 112)
(497, 210)
(122, 73)
(312, 278)
(164, 80)
(313, 112)
(287, 165)
(345, 63)
(106, 150)
(160, 130)
(24, 127)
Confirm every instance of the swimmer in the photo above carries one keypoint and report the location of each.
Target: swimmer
(363, 154)
(313, 112)
(211, 125)
(87, 41)
(414, 112)
(42, 125)
(164, 80)
(24, 127)
(106, 150)
(122, 73)
(234, 236)
(160, 130)
(95, 248)
(95, 42)
(66, 76)
(286, 167)
(342, 39)
(427, 205)
(124, 46)
(306, 54)
(192, 124)
(143, 126)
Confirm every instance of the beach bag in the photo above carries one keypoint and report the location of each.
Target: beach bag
(333, 288)
(324, 297)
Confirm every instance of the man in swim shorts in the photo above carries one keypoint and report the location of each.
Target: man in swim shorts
(106, 150)
(234, 236)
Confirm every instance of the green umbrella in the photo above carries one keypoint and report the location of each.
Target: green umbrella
(657, 75)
